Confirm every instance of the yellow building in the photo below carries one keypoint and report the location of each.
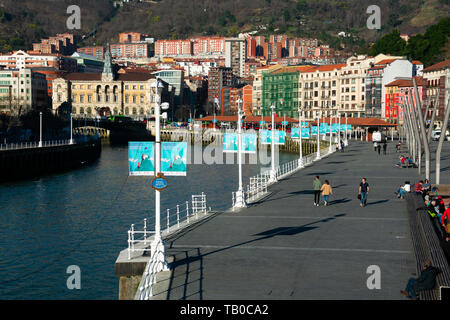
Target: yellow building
(127, 92)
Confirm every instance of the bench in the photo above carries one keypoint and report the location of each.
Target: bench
(428, 245)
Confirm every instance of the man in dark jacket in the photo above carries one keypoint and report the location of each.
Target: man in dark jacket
(426, 281)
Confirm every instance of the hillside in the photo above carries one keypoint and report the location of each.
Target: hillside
(181, 18)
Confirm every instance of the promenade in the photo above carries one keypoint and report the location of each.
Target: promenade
(283, 247)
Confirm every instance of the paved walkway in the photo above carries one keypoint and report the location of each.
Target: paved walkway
(285, 248)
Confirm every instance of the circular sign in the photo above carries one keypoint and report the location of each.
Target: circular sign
(159, 182)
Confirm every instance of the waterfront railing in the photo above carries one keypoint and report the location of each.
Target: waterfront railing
(34, 144)
(172, 219)
(257, 188)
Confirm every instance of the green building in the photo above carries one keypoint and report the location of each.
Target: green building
(281, 89)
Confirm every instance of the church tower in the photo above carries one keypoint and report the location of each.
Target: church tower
(107, 74)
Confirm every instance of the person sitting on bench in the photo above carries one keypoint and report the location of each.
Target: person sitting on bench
(426, 281)
(403, 190)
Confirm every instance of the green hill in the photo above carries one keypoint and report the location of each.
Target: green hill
(24, 24)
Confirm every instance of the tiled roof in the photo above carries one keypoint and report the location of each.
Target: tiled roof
(386, 61)
(248, 119)
(129, 76)
(438, 66)
(407, 82)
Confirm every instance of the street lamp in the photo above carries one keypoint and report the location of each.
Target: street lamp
(273, 174)
(300, 160)
(240, 199)
(71, 128)
(158, 246)
(40, 129)
(331, 131)
(318, 135)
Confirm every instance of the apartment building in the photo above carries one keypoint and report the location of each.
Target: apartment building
(131, 37)
(235, 55)
(437, 77)
(396, 92)
(21, 59)
(64, 43)
(22, 90)
(130, 50)
(97, 51)
(218, 78)
(173, 48)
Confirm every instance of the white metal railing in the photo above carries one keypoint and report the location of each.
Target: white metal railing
(154, 265)
(258, 184)
(171, 219)
(34, 144)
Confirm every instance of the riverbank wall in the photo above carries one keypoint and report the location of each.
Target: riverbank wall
(28, 163)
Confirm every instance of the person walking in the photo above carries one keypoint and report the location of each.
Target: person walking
(363, 191)
(317, 185)
(342, 146)
(378, 147)
(326, 192)
(384, 147)
(375, 145)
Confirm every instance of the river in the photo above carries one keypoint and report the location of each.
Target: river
(81, 218)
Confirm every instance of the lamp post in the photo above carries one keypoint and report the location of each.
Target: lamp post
(71, 129)
(346, 131)
(339, 130)
(40, 129)
(331, 131)
(273, 174)
(240, 199)
(318, 135)
(300, 160)
(158, 246)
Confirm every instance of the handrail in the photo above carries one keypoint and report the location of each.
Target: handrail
(170, 219)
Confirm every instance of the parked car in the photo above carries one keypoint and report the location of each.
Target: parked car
(435, 135)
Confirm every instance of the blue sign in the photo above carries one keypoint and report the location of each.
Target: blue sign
(159, 183)
(280, 137)
(174, 158)
(284, 123)
(262, 122)
(305, 133)
(214, 120)
(230, 142)
(314, 130)
(141, 159)
(190, 120)
(295, 133)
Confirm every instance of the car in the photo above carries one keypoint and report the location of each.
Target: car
(435, 135)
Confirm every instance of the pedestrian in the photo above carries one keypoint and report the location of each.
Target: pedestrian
(384, 147)
(342, 146)
(375, 144)
(378, 147)
(317, 185)
(326, 192)
(426, 281)
(363, 191)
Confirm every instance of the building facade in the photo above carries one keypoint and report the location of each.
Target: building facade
(91, 94)
(22, 90)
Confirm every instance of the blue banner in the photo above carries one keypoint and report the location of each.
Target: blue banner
(230, 142)
(249, 143)
(262, 122)
(174, 158)
(295, 132)
(265, 137)
(141, 159)
(284, 123)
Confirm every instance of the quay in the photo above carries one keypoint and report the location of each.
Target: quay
(283, 247)
(28, 160)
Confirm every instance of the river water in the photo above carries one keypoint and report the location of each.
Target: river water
(81, 218)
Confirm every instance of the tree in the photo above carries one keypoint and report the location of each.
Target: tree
(391, 43)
